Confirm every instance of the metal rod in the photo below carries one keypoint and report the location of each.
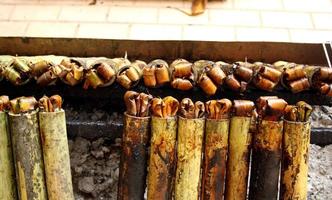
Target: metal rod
(327, 54)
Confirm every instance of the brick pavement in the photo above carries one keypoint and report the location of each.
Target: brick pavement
(233, 20)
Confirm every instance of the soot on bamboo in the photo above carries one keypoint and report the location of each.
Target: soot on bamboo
(296, 140)
(215, 149)
(266, 151)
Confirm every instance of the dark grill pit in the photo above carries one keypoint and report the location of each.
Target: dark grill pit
(94, 117)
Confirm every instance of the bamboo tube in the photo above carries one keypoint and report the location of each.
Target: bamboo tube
(156, 73)
(129, 76)
(52, 125)
(239, 151)
(294, 174)
(133, 158)
(17, 71)
(214, 170)
(73, 70)
(210, 76)
(162, 165)
(266, 152)
(28, 156)
(189, 151)
(183, 74)
(216, 146)
(7, 174)
(296, 140)
(295, 78)
(266, 157)
(100, 73)
(266, 77)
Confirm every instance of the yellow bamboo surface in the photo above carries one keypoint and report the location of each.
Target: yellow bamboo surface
(238, 158)
(215, 155)
(7, 174)
(162, 163)
(56, 155)
(28, 156)
(189, 154)
(294, 175)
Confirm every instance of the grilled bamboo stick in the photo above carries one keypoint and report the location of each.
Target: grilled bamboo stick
(266, 77)
(7, 173)
(189, 152)
(28, 156)
(16, 71)
(295, 79)
(239, 151)
(216, 146)
(183, 74)
(296, 140)
(73, 71)
(100, 73)
(134, 156)
(266, 152)
(156, 73)
(129, 76)
(162, 163)
(52, 125)
(210, 76)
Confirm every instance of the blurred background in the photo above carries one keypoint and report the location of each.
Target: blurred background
(230, 20)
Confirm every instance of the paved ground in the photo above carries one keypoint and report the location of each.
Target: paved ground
(232, 20)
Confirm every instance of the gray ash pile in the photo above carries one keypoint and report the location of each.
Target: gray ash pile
(95, 168)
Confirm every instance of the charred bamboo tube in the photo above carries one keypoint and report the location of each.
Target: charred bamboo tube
(72, 70)
(294, 174)
(28, 156)
(266, 152)
(183, 74)
(17, 71)
(266, 77)
(156, 74)
(296, 140)
(133, 158)
(100, 73)
(239, 151)
(295, 79)
(52, 125)
(266, 158)
(215, 152)
(162, 163)
(129, 76)
(210, 76)
(162, 158)
(189, 153)
(320, 79)
(238, 76)
(7, 173)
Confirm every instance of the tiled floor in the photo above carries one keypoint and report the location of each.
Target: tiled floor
(231, 20)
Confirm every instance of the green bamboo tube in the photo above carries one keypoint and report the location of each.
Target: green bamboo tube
(28, 156)
(294, 173)
(266, 157)
(162, 163)
(189, 154)
(238, 158)
(215, 155)
(56, 155)
(7, 174)
(133, 164)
